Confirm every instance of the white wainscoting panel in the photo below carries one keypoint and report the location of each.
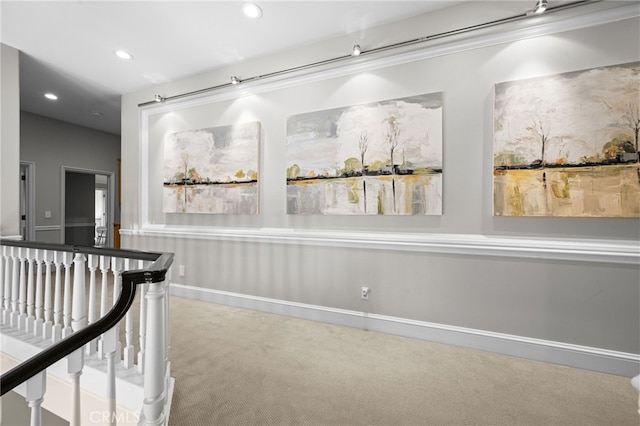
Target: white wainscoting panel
(608, 251)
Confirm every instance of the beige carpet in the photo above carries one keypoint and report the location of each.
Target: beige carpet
(240, 367)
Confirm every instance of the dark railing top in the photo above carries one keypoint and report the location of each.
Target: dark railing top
(156, 272)
(105, 251)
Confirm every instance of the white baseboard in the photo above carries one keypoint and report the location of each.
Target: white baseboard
(588, 358)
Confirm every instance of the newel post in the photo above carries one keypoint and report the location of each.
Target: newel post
(155, 363)
(79, 303)
(75, 360)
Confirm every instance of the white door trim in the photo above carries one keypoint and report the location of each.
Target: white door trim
(30, 199)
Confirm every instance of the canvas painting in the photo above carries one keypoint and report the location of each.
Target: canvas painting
(212, 170)
(567, 145)
(382, 158)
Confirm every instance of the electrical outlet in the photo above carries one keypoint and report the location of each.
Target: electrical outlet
(181, 270)
(365, 293)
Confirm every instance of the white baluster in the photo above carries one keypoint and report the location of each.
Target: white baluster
(92, 264)
(155, 363)
(8, 275)
(143, 323)
(37, 329)
(104, 270)
(15, 288)
(58, 258)
(75, 363)
(30, 318)
(47, 327)
(128, 333)
(117, 266)
(8, 269)
(36, 387)
(22, 295)
(3, 279)
(109, 346)
(66, 296)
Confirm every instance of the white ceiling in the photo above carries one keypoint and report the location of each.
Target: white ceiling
(67, 47)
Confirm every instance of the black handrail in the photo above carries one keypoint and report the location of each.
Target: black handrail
(133, 254)
(130, 279)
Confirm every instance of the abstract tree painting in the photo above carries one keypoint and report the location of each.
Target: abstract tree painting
(212, 170)
(566, 145)
(381, 158)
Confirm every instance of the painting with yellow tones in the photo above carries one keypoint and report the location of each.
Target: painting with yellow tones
(566, 145)
(381, 158)
(212, 170)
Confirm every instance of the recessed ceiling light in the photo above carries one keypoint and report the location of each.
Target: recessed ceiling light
(51, 96)
(96, 113)
(123, 54)
(252, 10)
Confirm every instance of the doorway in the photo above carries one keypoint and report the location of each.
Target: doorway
(101, 189)
(87, 204)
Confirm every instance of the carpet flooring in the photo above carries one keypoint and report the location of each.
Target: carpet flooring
(240, 367)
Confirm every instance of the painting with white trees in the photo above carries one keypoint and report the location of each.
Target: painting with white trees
(566, 145)
(212, 170)
(381, 158)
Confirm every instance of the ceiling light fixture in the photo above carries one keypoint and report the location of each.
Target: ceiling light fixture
(252, 11)
(234, 79)
(540, 7)
(356, 50)
(51, 96)
(123, 54)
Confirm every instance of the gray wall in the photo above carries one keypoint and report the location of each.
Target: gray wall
(9, 142)
(52, 144)
(584, 303)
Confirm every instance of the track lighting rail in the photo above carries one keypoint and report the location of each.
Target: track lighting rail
(463, 30)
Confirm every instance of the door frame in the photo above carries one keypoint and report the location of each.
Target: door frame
(111, 186)
(29, 199)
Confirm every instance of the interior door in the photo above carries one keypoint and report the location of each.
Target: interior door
(79, 209)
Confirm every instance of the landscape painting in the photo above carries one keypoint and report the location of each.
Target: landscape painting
(381, 158)
(212, 170)
(567, 145)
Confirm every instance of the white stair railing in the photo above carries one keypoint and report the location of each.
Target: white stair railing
(31, 318)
